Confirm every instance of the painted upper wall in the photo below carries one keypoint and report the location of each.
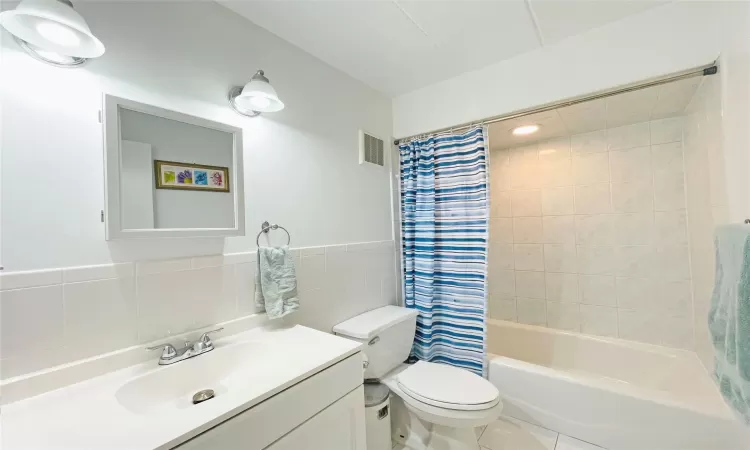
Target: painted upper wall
(734, 70)
(301, 164)
(663, 40)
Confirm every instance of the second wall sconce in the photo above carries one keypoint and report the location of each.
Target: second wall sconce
(257, 96)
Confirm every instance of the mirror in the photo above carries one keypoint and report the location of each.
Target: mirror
(169, 174)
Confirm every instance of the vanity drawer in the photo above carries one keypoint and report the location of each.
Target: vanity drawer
(341, 426)
(261, 425)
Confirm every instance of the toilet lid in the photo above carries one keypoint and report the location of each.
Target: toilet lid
(448, 387)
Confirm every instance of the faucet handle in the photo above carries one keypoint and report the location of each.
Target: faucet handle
(167, 350)
(204, 337)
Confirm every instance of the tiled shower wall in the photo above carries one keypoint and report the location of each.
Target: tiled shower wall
(706, 200)
(51, 317)
(588, 233)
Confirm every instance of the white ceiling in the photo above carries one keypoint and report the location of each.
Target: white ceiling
(652, 103)
(396, 46)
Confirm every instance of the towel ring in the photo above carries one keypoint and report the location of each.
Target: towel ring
(266, 227)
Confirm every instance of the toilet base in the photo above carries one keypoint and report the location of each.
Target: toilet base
(418, 434)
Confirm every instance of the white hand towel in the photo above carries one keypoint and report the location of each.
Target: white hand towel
(276, 282)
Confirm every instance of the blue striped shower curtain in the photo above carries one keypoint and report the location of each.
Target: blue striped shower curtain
(444, 210)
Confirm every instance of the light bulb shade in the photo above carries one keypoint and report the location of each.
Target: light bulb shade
(259, 96)
(53, 26)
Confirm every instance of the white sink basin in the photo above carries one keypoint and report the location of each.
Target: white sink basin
(147, 406)
(173, 386)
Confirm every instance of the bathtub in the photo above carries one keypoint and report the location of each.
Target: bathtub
(617, 394)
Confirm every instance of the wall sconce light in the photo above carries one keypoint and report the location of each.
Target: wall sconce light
(257, 96)
(52, 31)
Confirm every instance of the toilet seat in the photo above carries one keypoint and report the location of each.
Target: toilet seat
(435, 414)
(448, 387)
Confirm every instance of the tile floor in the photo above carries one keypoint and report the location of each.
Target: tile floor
(511, 434)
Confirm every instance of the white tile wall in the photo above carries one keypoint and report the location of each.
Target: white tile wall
(564, 316)
(558, 201)
(595, 141)
(503, 308)
(500, 205)
(526, 203)
(56, 316)
(99, 315)
(32, 327)
(598, 239)
(562, 287)
(630, 164)
(597, 290)
(707, 204)
(528, 257)
(19, 280)
(560, 258)
(501, 256)
(531, 311)
(599, 320)
(559, 229)
(593, 198)
(633, 196)
(589, 168)
(527, 230)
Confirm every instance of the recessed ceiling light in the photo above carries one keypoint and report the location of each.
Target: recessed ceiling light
(525, 129)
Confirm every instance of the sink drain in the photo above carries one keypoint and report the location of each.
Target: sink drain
(202, 396)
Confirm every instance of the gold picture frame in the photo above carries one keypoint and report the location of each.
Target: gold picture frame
(190, 177)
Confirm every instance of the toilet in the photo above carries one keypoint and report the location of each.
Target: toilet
(437, 406)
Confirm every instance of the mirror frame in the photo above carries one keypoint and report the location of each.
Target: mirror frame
(112, 159)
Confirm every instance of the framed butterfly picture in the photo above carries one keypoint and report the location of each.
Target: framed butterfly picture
(194, 177)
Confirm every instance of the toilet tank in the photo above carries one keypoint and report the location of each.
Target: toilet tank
(387, 333)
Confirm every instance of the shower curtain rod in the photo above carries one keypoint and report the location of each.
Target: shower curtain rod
(709, 69)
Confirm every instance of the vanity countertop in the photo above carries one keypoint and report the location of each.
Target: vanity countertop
(88, 415)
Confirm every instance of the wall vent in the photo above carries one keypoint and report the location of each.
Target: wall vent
(371, 149)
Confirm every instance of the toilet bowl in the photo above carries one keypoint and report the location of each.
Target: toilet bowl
(440, 405)
(450, 402)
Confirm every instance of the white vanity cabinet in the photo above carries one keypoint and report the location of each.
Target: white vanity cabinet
(278, 387)
(322, 412)
(338, 427)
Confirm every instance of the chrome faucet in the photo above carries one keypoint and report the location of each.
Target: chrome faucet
(171, 355)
